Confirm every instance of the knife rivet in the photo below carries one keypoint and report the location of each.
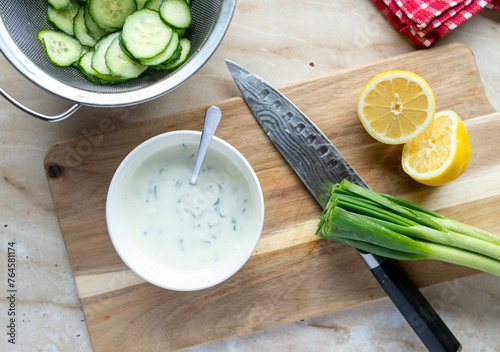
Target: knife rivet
(288, 116)
(277, 104)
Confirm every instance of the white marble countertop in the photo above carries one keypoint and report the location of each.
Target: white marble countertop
(276, 39)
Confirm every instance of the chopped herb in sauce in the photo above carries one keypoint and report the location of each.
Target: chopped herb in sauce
(184, 225)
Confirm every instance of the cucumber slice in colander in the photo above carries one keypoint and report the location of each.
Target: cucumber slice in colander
(98, 60)
(81, 31)
(166, 55)
(63, 19)
(185, 45)
(94, 30)
(110, 15)
(85, 65)
(120, 64)
(145, 35)
(176, 13)
(141, 4)
(59, 4)
(61, 49)
(153, 4)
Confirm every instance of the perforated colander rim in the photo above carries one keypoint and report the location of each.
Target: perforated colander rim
(26, 67)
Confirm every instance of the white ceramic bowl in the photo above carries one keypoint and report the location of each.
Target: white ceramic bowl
(180, 236)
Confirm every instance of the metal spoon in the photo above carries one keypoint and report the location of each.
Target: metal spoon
(212, 119)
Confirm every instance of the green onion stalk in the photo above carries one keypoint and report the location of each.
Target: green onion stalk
(394, 228)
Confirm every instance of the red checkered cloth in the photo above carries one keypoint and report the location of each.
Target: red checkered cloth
(494, 5)
(425, 21)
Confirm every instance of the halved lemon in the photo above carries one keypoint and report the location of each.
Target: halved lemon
(441, 153)
(396, 106)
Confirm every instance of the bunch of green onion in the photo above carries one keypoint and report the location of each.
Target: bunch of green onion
(394, 228)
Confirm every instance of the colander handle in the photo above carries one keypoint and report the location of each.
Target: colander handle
(36, 114)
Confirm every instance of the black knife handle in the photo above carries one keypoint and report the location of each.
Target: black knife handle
(415, 308)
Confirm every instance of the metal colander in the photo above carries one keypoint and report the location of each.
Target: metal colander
(21, 20)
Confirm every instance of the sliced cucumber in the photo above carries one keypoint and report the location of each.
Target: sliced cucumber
(92, 27)
(176, 13)
(61, 49)
(110, 15)
(124, 49)
(182, 32)
(85, 65)
(63, 19)
(185, 50)
(175, 56)
(113, 41)
(98, 59)
(120, 64)
(59, 4)
(153, 4)
(140, 4)
(166, 55)
(145, 35)
(85, 49)
(80, 29)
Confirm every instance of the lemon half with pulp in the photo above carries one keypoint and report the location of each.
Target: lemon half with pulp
(441, 153)
(396, 106)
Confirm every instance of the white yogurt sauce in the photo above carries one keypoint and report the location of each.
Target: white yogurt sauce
(187, 226)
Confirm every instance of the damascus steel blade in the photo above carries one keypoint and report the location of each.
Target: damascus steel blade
(311, 154)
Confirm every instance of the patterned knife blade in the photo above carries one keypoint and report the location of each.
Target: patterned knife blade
(310, 153)
(320, 165)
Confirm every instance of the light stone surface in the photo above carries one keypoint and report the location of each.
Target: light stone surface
(278, 40)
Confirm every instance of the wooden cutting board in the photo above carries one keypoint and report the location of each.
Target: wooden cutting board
(292, 275)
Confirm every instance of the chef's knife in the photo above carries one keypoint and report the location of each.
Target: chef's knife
(320, 165)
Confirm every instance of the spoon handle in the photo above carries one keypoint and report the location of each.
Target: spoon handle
(212, 118)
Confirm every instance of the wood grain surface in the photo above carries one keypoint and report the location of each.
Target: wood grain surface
(292, 275)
